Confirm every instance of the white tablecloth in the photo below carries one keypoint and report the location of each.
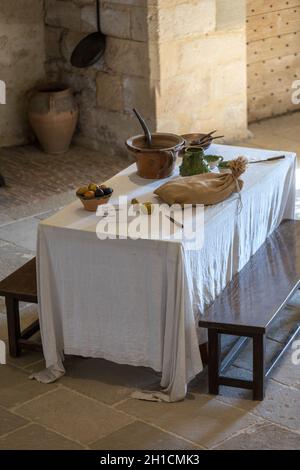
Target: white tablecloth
(137, 302)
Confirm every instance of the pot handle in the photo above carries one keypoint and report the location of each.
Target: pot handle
(174, 154)
(173, 157)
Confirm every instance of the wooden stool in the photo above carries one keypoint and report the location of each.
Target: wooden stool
(20, 286)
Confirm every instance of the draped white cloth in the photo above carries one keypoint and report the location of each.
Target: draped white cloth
(137, 302)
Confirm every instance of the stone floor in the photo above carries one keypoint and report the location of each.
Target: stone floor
(91, 408)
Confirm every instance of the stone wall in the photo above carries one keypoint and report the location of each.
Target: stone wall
(107, 91)
(182, 63)
(202, 51)
(22, 57)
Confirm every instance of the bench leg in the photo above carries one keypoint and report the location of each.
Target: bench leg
(204, 353)
(214, 349)
(13, 324)
(258, 367)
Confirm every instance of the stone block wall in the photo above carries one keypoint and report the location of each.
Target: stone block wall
(22, 58)
(203, 67)
(182, 63)
(122, 79)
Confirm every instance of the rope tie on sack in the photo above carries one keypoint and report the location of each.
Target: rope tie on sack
(238, 167)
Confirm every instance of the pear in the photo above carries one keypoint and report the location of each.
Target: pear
(82, 190)
(149, 207)
(93, 187)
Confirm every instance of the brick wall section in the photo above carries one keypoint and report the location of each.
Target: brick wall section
(181, 62)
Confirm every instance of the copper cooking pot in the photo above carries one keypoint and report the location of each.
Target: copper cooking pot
(158, 161)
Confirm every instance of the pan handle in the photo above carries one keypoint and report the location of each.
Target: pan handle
(98, 15)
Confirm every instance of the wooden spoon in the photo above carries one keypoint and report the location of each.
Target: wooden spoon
(145, 128)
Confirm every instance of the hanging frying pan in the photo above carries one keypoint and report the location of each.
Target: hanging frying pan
(91, 48)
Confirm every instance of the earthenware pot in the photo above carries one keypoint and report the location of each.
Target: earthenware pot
(53, 115)
(158, 161)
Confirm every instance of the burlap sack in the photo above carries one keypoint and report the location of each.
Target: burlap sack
(208, 188)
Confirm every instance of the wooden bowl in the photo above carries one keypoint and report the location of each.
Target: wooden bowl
(92, 204)
(191, 139)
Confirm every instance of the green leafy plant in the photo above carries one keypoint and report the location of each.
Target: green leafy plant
(224, 165)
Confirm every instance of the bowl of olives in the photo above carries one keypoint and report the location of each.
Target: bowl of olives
(94, 195)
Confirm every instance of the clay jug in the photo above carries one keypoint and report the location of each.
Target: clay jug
(53, 115)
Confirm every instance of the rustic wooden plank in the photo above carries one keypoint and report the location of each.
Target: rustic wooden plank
(256, 7)
(262, 105)
(31, 330)
(273, 24)
(256, 294)
(238, 383)
(21, 284)
(273, 74)
(269, 48)
(31, 345)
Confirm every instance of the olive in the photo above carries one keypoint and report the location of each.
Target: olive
(99, 192)
(107, 191)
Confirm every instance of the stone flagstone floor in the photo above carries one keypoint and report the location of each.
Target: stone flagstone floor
(91, 408)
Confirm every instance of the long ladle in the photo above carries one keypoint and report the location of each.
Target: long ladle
(145, 128)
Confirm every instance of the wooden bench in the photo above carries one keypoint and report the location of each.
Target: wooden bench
(20, 286)
(248, 305)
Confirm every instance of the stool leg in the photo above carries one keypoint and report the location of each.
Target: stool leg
(13, 324)
(214, 347)
(259, 367)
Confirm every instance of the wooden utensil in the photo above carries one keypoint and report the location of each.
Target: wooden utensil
(271, 159)
(175, 221)
(203, 137)
(210, 139)
(145, 128)
(203, 143)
